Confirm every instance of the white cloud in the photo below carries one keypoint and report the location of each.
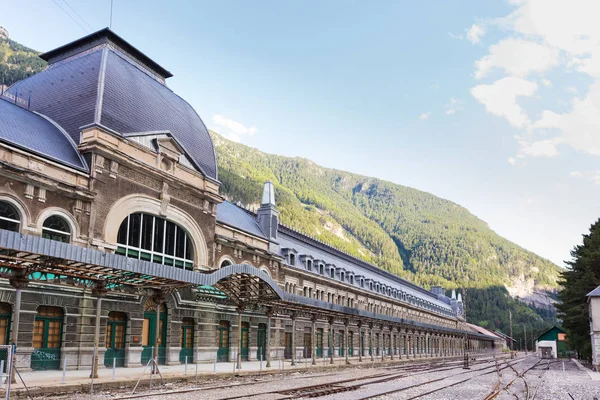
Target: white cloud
(517, 57)
(540, 148)
(546, 82)
(453, 106)
(500, 98)
(591, 176)
(458, 36)
(512, 161)
(475, 33)
(231, 129)
(579, 127)
(425, 115)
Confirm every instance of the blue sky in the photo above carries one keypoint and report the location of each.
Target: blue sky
(490, 104)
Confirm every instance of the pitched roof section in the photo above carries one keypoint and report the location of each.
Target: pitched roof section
(594, 293)
(134, 102)
(65, 93)
(101, 37)
(234, 216)
(100, 83)
(23, 129)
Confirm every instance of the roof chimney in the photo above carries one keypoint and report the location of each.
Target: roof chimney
(268, 216)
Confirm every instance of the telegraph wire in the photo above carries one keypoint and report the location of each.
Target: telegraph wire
(80, 17)
(70, 16)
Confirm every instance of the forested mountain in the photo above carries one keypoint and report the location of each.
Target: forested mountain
(413, 234)
(16, 61)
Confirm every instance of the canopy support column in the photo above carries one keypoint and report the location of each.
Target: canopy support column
(268, 340)
(19, 281)
(100, 292)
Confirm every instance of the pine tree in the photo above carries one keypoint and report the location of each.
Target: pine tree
(582, 277)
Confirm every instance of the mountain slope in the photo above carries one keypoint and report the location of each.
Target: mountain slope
(411, 233)
(408, 232)
(16, 61)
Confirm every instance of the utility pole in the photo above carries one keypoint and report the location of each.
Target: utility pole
(466, 341)
(511, 335)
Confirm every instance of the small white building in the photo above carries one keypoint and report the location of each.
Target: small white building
(593, 299)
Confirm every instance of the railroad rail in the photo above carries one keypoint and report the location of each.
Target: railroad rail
(323, 389)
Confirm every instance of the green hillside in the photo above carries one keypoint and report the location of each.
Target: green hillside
(17, 61)
(413, 234)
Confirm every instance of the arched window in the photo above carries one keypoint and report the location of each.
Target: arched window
(147, 237)
(225, 263)
(56, 228)
(321, 267)
(9, 217)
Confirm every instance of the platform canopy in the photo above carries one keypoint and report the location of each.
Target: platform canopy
(38, 259)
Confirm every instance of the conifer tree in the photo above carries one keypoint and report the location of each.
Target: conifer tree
(582, 276)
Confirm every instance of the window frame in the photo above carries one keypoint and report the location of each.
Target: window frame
(152, 255)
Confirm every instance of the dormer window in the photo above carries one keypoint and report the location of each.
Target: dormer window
(292, 259)
(342, 276)
(351, 280)
(362, 283)
(309, 265)
(332, 273)
(321, 269)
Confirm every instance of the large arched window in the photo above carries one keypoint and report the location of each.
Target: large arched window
(9, 217)
(56, 228)
(151, 238)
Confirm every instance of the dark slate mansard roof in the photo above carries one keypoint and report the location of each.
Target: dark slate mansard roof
(23, 129)
(244, 220)
(101, 79)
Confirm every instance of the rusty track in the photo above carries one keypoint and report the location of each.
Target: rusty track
(319, 390)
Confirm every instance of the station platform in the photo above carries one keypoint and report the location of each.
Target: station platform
(53, 382)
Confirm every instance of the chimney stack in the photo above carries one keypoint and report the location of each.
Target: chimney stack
(268, 216)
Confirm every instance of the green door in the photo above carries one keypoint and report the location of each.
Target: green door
(187, 341)
(223, 341)
(319, 339)
(350, 344)
(4, 330)
(261, 341)
(115, 339)
(307, 345)
(245, 340)
(341, 344)
(149, 336)
(362, 344)
(47, 338)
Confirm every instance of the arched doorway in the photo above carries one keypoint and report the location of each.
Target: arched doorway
(115, 339)
(245, 341)
(149, 335)
(5, 315)
(223, 341)
(47, 338)
(187, 340)
(261, 341)
(319, 339)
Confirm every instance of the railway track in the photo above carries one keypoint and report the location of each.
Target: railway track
(324, 389)
(526, 389)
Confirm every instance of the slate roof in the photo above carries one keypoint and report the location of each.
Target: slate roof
(23, 129)
(594, 293)
(234, 216)
(107, 86)
(482, 330)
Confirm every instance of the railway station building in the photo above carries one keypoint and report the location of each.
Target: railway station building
(115, 240)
